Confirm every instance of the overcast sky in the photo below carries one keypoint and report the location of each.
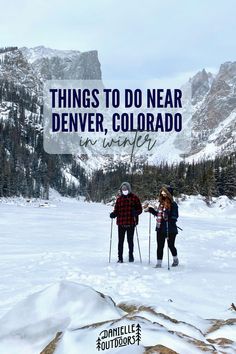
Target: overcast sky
(135, 39)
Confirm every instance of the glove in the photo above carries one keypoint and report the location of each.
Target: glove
(134, 213)
(113, 215)
(152, 211)
(165, 215)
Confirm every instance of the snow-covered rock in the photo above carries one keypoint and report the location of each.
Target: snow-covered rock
(65, 305)
(70, 318)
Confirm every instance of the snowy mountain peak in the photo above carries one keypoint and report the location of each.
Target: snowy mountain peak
(215, 117)
(39, 52)
(228, 70)
(58, 64)
(200, 84)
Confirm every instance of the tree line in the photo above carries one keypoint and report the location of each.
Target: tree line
(7, 49)
(210, 178)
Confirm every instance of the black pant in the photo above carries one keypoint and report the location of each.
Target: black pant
(130, 238)
(161, 243)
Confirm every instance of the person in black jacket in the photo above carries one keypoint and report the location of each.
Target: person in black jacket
(167, 215)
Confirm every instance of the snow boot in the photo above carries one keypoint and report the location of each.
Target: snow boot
(120, 260)
(158, 265)
(175, 262)
(131, 257)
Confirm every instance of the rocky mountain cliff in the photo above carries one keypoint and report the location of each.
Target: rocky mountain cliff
(209, 118)
(63, 65)
(200, 86)
(214, 122)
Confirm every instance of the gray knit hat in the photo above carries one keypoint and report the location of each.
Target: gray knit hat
(127, 185)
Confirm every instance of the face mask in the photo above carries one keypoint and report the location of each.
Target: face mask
(125, 192)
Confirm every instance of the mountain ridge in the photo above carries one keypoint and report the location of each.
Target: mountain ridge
(209, 117)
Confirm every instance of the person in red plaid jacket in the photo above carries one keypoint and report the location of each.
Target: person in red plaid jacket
(127, 209)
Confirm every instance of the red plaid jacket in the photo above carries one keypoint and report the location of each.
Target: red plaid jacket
(127, 209)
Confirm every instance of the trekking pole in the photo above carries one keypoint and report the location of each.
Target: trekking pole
(138, 244)
(168, 252)
(149, 246)
(110, 240)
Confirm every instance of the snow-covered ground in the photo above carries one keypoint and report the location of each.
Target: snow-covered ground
(42, 245)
